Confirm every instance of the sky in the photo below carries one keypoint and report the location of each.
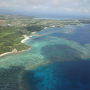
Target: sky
(52, 7)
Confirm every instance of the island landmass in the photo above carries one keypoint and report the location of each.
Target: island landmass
(16, 29)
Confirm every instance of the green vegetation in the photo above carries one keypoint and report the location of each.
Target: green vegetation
(13, 27)
(12, 31)
(10, 38)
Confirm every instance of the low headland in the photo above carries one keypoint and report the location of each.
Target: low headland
(15, 30)
(15, 51)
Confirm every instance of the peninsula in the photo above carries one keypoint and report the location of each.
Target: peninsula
(14, 30)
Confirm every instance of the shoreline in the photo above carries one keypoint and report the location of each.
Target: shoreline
(4, 54)
(28, 37)
(25, 38)
(15, 51)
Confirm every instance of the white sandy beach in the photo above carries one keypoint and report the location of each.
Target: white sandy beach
(14, 51)
(28, 37)
(25, 38)
(5, 54)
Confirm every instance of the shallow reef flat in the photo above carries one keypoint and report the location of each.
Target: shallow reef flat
(53, 63)
(60, 49)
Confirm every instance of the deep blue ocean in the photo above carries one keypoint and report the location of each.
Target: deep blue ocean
(67, 70)
(59, 59)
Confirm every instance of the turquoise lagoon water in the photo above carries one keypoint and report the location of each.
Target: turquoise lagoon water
(59, 59)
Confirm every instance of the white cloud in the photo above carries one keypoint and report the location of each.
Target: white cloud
(81, 6)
